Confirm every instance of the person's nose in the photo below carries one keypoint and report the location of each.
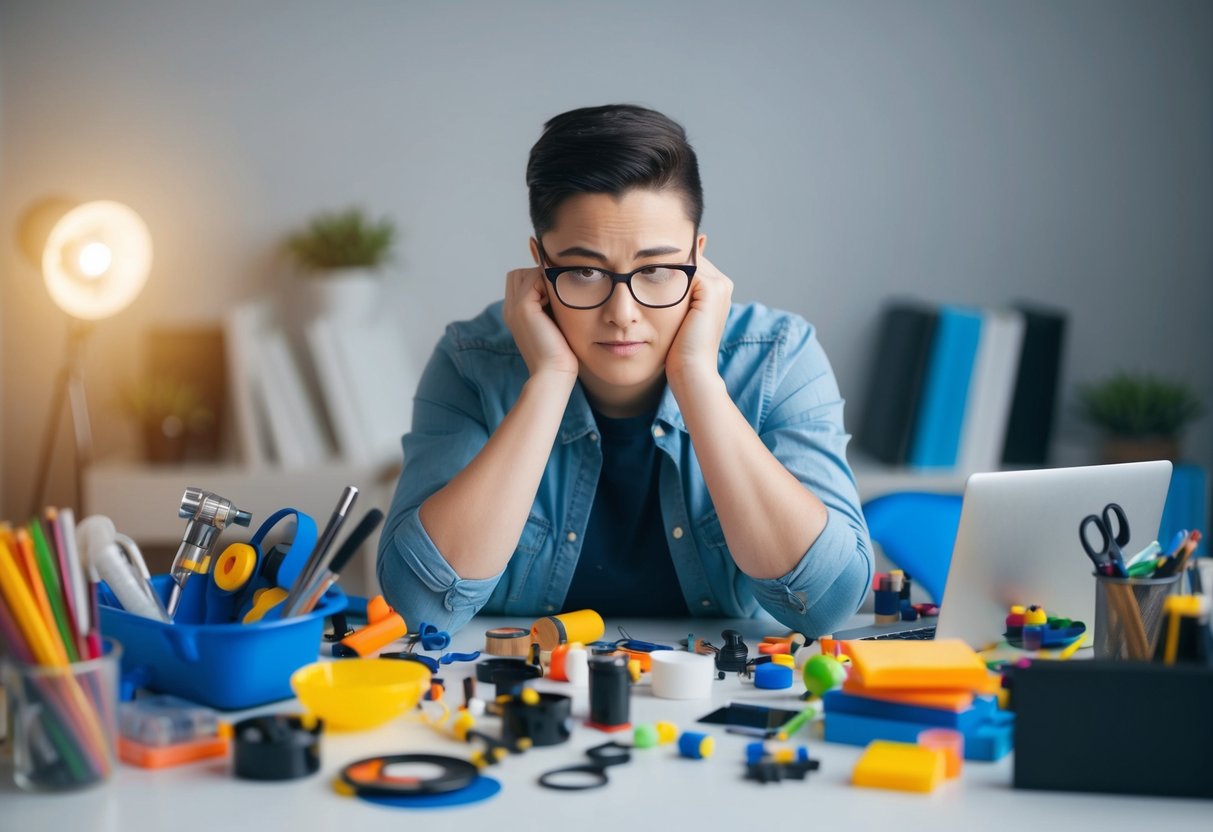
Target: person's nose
(621, 309)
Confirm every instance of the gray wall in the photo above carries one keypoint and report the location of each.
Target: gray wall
(967, 151)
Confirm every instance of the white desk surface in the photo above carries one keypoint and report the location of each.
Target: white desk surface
(657, 784)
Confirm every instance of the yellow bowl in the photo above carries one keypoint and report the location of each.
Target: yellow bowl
(353, 694)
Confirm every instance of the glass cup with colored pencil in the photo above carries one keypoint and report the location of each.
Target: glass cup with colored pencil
(64, 721)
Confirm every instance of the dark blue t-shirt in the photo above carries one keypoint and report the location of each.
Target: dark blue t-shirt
(625, 569)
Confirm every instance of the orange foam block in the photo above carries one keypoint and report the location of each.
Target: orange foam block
(947, 700)
(148, 756)
(947, 664)
(900, 765)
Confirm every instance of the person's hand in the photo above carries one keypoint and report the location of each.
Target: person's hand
(542, 344)
(694, 353)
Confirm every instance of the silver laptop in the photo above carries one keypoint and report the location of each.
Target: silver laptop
(1018, 544)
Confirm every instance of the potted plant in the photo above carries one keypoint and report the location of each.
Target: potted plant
(169, 413)
(342, 252)
(1140, 415)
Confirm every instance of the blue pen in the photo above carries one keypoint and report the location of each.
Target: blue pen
(1176, 542)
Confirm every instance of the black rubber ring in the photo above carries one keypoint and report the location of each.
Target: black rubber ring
(609, 754)
(598, 772)
(456, 774)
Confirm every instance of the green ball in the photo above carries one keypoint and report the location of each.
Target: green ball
(645, 736)
(823, 673)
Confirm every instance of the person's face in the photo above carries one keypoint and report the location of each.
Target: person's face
(621, 345)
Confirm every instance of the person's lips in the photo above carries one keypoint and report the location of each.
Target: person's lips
(621, 348)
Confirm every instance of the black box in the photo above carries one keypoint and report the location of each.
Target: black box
(1118, 727)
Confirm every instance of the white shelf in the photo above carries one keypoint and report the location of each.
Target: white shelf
(875, 478)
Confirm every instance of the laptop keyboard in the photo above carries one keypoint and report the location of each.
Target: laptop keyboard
(921, 634)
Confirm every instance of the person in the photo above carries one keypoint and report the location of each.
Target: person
(616, 434)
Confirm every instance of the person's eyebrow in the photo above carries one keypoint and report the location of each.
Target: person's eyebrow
(582, 251)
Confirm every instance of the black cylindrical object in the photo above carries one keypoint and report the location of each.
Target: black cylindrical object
(507, 674)
(276, 747)
(544, 723)
(610, 692)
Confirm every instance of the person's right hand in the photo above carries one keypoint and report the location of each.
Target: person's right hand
(542, 344)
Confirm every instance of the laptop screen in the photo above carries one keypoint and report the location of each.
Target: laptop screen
(1018, 542)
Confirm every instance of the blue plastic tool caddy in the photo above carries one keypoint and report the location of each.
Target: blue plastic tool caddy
(228, 666)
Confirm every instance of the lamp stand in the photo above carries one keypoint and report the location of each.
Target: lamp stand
(69, 393)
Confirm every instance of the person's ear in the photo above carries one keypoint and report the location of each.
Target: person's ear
(700, 242)
(535, 251)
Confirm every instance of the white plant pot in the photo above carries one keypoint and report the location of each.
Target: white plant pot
(350, 296)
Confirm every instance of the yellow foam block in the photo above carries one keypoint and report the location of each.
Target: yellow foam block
(900, 765)
(916, 665)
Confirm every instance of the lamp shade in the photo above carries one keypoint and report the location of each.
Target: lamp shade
(96, 259)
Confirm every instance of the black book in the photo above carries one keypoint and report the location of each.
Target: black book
(1034, 404)
(896, 381)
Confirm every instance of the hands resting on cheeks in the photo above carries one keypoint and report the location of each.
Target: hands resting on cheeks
(693, 353)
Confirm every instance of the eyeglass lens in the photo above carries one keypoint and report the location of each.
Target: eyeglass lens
(657, 286)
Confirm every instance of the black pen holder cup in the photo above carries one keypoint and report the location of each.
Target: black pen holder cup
(1128, 615)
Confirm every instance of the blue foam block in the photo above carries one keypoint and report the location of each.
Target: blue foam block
(989, 741)
(837, 701)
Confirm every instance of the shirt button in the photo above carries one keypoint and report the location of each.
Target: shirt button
(551, 608)
(677, 532)
(707, 602)
(658, 431)
(593, 437)
(571, 536)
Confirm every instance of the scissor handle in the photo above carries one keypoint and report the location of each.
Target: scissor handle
(1122, 523)
(1100, 555)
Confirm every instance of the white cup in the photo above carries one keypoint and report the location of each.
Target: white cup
(682, 675)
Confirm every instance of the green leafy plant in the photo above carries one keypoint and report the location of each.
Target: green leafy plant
(1139, 405)
(343, 239)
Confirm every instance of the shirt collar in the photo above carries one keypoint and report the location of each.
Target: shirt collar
(578, 418)
(579, 421)
(669, 412)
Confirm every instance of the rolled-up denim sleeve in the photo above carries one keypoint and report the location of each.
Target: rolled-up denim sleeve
(448, 431)
(803, 429)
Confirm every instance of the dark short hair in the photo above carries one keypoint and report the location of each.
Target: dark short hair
(610, 150)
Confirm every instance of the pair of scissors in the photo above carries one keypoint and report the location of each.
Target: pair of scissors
(1109, 557)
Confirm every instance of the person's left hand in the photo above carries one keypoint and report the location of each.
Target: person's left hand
(694, 352)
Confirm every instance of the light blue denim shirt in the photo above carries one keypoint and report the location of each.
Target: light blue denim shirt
(775, 371)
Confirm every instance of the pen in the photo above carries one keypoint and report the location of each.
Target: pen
(1145, 569)
(1151, 552)
(797, 722)
(1179, 561)
(361, 532)
(1176, 542)
(321, 557)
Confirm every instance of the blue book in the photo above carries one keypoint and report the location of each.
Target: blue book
(1187, 505)
(941, 414)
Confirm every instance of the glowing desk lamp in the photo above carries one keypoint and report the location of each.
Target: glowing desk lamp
(95, 258)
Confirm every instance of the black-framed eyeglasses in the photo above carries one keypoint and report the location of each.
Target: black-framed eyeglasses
(585, 287)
